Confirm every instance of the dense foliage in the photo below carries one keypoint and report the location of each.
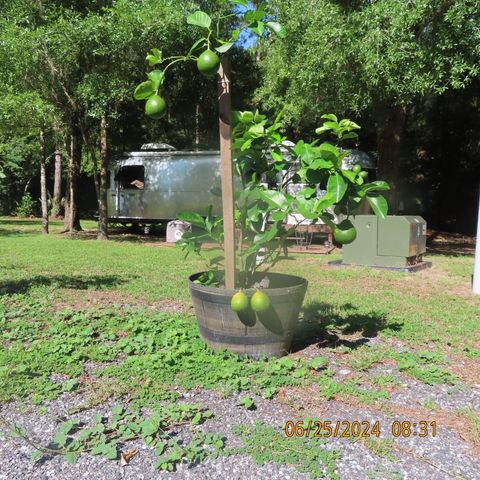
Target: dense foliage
(407, 69)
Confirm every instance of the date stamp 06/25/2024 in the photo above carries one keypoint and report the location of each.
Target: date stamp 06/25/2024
(358, 429)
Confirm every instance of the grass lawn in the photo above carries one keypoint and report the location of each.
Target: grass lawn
(105, 320)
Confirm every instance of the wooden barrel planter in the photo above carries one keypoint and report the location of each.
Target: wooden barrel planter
(250, 333)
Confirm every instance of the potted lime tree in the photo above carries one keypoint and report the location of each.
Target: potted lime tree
(240, 303)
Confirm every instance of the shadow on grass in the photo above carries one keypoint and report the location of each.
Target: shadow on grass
(19, 232)
(324, 325)
(26, 221)
(9, 287)
(118, 237)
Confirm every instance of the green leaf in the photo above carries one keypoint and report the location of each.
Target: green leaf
(144, 90)
(329, 152)
(269, 392)
(337, 186)
(306, 207)
(375, 186)
(157, 77)
(148, 428)
(305, 151)
(318, 362)
(224, 48)
(71, 457)
(274, 198)
(98, 449)
(350, 175)
(378, 203)
(60, 438)
(200, 19)
(155, 57)
(36, 456)
(236, 34)
(278, 216)
(244, 3)
(247, 402)
(117, 410)
(349, 135)
(193, 218)
(330, 116)
(110, 451)
(256, 130)
(321, 130)
(277, 28)
(258, 27)
(326, 201)
(200, 41)
(247, 116)
(246, 145)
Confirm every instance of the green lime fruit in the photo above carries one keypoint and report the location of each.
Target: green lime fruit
(260, 301)
(156, 107)
(208, 63)
(345, 232)
(356, 168)
(239, 302)
(363, 174)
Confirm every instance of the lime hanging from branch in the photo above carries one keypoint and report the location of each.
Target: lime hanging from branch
(345, 232)
(208, 63)
(156, 107)
(239, 302)
(260, 301)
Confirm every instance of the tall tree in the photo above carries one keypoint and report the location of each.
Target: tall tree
(57, 184)
(350, 56)
(43, 182)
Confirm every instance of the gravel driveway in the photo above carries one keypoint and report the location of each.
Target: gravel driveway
(445, 456)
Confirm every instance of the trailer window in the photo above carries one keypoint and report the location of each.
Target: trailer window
(131, 177)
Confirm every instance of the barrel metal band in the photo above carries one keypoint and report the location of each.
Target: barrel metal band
(215, 336)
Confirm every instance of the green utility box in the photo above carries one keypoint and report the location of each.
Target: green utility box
(392, 242)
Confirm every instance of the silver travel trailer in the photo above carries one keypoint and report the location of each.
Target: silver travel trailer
(155, 184)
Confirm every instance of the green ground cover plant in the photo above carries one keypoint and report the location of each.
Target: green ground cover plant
(91, 319)
(306, 454)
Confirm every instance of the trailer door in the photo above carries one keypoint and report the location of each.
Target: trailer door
(130, 183)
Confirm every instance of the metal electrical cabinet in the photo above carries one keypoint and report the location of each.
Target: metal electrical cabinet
(392, 242)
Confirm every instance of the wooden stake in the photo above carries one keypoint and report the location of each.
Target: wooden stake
(226, 170)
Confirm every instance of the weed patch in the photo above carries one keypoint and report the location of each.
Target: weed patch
(306, 454)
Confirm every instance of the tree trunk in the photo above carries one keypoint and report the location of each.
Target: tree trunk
(103, 184)
(43, 183)
(390, 132)
(57, 185)
(72, 222)
(197, 125)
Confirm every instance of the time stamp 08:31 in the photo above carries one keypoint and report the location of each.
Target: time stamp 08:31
(357, 429)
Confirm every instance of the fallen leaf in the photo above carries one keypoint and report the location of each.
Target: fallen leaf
(127, 456)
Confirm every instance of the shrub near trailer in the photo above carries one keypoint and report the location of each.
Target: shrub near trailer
(263, 323)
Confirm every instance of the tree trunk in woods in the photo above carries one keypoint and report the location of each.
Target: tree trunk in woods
(57, 185)
(43, 183)
(390, 132)
(103, 184)
(72, 222)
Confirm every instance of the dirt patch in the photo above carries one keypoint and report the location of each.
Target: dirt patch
(87, 299)
(450, 243)
(467, 369)
(303, 399)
